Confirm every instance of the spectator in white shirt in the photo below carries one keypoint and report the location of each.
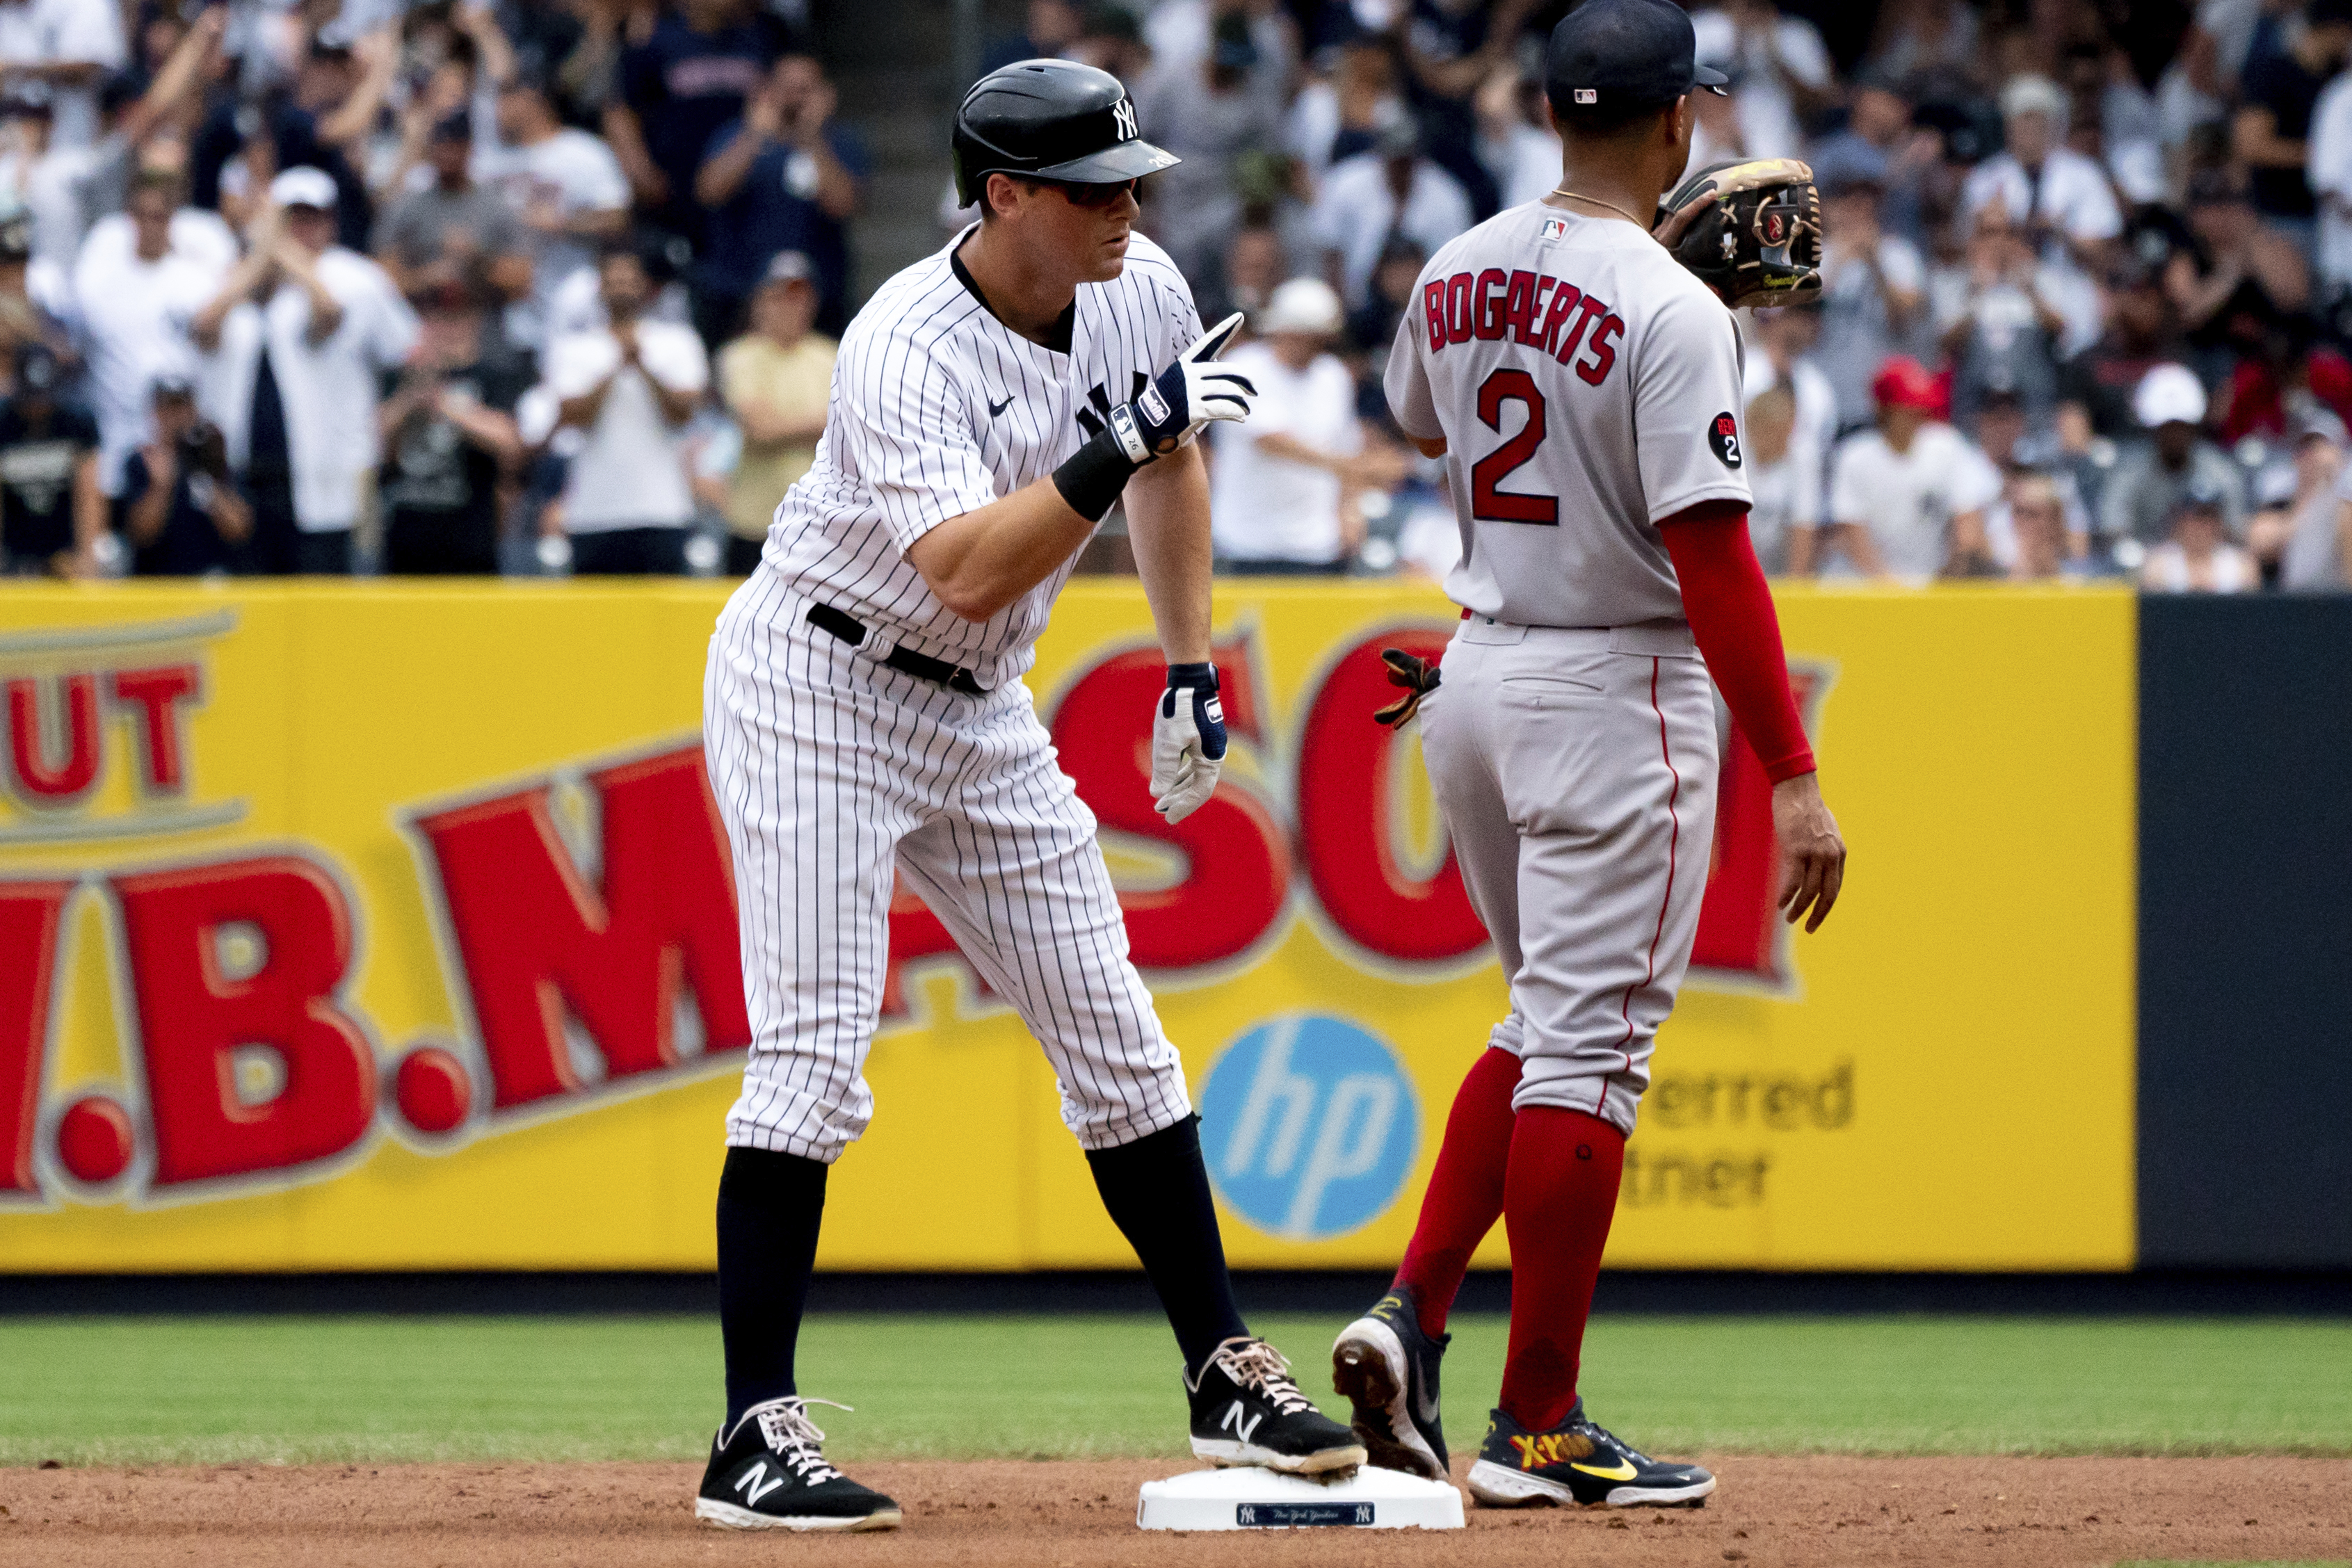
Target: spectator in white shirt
(1873, 283)
(2297, 534)
(1780, 356)
(64, 186)
(629, 387)
(2331, 182)
(1776, 477)
(1907, 498)
(2059, 196)
(2199, 557)
(1780, 71)
(1212, 115)
(134, 308)
(1390, 190)
(2041, 546)
(66, 45)
(564, 184)
(1281, 496)
(295, 347)
(1515, 140)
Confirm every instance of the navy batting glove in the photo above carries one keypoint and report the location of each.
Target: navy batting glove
(1188, 741)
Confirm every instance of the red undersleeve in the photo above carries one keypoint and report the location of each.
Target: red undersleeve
(1730, 612)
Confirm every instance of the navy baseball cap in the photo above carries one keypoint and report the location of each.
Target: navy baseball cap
(1624, 56)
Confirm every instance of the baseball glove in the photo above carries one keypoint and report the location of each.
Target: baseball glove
(1418, 677)
(1760, 243)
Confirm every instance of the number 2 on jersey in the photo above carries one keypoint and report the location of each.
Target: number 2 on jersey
(1488, 501)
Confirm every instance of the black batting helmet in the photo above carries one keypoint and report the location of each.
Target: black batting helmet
(1049, 120)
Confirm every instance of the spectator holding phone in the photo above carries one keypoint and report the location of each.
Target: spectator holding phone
(179, 510)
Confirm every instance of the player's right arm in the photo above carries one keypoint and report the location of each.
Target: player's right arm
(978, 563)
(981, 558)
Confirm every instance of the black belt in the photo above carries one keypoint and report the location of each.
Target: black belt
(922, 666)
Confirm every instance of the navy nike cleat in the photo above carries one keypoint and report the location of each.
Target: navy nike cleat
(1578, 1462)
(1387, 1368)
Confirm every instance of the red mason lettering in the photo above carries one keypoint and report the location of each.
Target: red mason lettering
(1238, 865)
(1433, 305)
(155, 696)
(40, 780)
(194, 1016)
(536, 940)
(29, 917)
(1347, 831)
(1738, 935)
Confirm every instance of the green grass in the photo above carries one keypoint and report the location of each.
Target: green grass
(146, 1390)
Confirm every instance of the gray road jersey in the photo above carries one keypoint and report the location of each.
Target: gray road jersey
(1587, 387)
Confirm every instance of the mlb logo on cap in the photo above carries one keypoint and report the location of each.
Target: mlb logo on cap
(1643, 53)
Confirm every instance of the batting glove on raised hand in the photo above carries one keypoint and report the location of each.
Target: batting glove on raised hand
(1189, 394)
(1188, 741)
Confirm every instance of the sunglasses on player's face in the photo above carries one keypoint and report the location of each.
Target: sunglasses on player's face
(1093, 198)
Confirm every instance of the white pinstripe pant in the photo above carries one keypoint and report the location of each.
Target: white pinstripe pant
(829, 768)
(1577, 770)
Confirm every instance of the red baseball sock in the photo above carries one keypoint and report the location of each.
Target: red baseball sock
(1558, 1201)
(1466, 1190)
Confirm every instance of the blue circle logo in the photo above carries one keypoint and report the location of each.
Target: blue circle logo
(1309, 1126)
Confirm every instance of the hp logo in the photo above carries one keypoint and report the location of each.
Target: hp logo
(1310, 1126)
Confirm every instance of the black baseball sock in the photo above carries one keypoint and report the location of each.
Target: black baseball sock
(770, 1206)
(1157, 1190)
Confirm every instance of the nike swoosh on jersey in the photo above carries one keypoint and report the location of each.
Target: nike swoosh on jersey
(996, 408)
(1623, 1470)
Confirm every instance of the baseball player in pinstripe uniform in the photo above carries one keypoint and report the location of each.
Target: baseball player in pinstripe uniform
(864, 715)
(1584, 390)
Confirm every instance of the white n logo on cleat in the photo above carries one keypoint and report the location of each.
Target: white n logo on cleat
(752, 1476)
(1243, 1424)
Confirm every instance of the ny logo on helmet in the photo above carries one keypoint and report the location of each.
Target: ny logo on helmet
(1123, 113)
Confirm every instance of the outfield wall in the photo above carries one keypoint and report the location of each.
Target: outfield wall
(390, 926)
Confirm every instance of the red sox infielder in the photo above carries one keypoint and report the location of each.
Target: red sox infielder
(863, 714)
(1584, 388)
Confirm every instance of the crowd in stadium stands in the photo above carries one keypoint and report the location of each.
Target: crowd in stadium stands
(319, 286)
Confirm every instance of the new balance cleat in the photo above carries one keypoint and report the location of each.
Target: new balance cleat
(1248, 1410)
(1578, 1462)
(1387, 1368)
(770, 1474)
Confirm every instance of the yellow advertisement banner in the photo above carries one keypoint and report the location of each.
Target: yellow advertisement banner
(390, 926)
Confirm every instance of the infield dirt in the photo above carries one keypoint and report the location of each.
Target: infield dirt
(1049, 1513)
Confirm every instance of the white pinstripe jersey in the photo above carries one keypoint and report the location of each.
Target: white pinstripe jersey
(938, 408)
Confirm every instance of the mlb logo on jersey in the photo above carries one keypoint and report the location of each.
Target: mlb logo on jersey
(1552, 229)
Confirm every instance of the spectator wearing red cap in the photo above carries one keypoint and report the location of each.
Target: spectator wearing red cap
(1908, 499)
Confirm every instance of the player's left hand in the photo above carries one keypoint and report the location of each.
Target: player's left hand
(1812, 851)
(1190, 393)
(1188, 741)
